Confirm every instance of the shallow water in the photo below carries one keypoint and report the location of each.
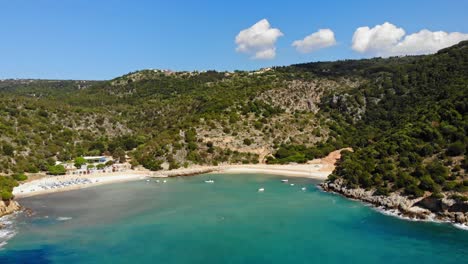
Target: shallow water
(189, 221)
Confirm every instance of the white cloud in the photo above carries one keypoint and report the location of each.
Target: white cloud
(426, 41)
(378, 39)
(389, 40)
(321, 39)
(259, 40)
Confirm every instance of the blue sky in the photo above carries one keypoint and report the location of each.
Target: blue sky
(90, 39)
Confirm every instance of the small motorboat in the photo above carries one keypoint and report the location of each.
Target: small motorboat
(209, 181)
(147, 180)
(261, 190)
(304, 188)
(157, 180)
(286, 180)
(164, 181)
(292, 184)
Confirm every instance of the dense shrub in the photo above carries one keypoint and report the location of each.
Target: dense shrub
(19, 176)
(456, 149)
(79, 161)
(6, 187)
(247, 141)
(57, 170)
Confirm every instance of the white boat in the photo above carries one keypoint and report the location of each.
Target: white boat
(209, 181)
(147, 180)
(157, 180)
(303, 188)
(261, 189)
(284, 180)
(292, 184)
(164, 181)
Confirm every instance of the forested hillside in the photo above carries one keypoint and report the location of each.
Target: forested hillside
(162, 119)
(404, 117)
(408, 127)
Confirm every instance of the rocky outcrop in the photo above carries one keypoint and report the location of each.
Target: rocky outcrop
(299, 95)
(8, 207)
(421, 208)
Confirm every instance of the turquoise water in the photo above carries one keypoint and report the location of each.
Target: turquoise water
(188, 221)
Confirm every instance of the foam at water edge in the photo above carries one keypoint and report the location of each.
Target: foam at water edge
(462, 227)
(396, 213)
(63, 218)
(8, 230)
(432, 218)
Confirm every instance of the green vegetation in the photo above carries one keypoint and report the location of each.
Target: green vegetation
(301, 153)
(19, 176)
(415, 121)
(405, 118)
(79, 161)
(56, 170)
(6, 187)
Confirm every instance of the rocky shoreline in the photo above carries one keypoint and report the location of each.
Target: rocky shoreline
(423, 208)
(8, 207)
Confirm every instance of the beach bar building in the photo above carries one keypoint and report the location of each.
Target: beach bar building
(95, 159)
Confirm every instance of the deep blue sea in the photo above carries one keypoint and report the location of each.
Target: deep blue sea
(189, 221)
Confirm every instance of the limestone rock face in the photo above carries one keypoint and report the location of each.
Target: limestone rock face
(460, 217)
(8, 207)
(423, 207)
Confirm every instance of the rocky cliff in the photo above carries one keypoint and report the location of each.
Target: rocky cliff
(425, 207)
(8, 207)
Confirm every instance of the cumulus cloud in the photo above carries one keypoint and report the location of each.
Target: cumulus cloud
(426, 41)
(389, 40)
(380, 38)
(259, 40)
(321, 39)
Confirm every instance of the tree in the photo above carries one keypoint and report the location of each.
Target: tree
(151, 164)
(99, 146)
(8, 149)
(192, 146)
(129, 143)
(6, 187)
(6, 195)
(19, 176)
(414, 190)
(173, 165)
(428, 184)
(57, 170)
(79, 161)
(437, 170)
(119, 155)
(456, 149)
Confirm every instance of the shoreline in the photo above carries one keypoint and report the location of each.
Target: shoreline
(311, 171)
(314, 170)
(404, 208)
(33, 188)
(318, 169)
(54, 184)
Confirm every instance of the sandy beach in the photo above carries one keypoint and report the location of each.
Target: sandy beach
(313, 171)
(52, 184)
(316, 169)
